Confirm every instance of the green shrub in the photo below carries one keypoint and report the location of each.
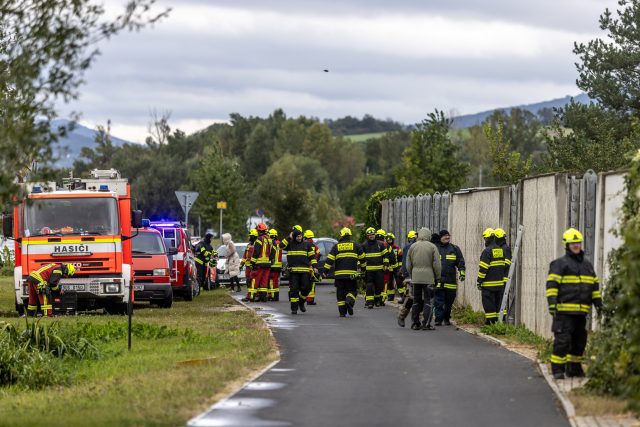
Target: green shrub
(7, 263)
(465, 315)
(615, 356)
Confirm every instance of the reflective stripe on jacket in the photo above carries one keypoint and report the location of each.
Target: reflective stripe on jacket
(572, 285)
(346, 256)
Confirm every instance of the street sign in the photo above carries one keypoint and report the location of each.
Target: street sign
(186, 200)
(222, 205)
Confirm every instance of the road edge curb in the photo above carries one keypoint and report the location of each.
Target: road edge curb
(251, 379)
(567, 406)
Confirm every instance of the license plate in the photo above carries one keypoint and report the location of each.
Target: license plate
(77, 288)
(138, 287)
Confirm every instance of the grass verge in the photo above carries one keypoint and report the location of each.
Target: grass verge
(587, 403)
(167, 378)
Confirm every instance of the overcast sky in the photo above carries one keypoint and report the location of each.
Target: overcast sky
(394, 59)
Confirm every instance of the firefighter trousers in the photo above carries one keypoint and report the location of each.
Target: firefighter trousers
(274, 285)
(261, 276)
(444, 303)
(299, 288)
(251, 288)
(374, 285)
(491, 302)
(389, 292)
(38, 302)
(402, 287)
(422, 302)
(346, 292)
(569, 342)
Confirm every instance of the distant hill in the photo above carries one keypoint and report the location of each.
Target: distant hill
(470, 120)
(68, 148)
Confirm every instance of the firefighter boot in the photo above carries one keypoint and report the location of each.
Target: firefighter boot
(574, 370)
(557, 370)
(301, 305)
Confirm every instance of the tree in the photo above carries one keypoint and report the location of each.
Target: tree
(219, 178)
(608, 69)
(507, 165)
(45, 48)
(99, 157)
(430, 162)
(586, 137)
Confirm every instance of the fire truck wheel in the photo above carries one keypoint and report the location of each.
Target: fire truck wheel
(117, 308)
(166, 302)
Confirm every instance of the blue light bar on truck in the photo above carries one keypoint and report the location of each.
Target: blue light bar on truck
(146, 223)
(165, 224)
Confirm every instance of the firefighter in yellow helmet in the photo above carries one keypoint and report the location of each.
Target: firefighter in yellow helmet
(381, 235)
(406, 297)
(313, 278)
(376, 263)
(42, 282)
(491, 274)
(246, 262)
(346, 256)
(276, 266)
(572, 288)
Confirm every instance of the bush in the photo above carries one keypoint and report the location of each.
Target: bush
(465, 315)
(7, 263)
(615, 355)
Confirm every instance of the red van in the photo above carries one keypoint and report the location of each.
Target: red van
(151, 274)
(184, 278)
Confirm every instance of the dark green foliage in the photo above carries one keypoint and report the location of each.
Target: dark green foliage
(373, 208)
(368, 124)
(507, 164)
(615, 364)
(430, 163)
(45, 48)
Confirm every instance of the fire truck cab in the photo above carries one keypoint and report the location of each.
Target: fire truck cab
(87, 223)
(183, 267)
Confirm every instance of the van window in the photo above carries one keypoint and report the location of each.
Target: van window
(148, 244)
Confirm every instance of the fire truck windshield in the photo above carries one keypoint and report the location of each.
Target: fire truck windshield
(71, 216)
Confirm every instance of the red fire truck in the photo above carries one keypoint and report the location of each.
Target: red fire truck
(183, 267)
(86, 222)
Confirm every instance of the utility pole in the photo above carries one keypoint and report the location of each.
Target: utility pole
(222, 205)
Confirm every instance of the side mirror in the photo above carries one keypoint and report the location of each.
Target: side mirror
(136, 219)
(172, 251)
(7, 226)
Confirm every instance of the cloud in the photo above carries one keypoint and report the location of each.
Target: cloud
(251, 57)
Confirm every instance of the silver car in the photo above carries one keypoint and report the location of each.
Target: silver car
(222, 263)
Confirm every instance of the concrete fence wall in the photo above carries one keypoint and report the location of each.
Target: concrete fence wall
(545, 205)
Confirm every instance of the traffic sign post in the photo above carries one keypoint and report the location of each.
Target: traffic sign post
(222, 206)
(186, 200)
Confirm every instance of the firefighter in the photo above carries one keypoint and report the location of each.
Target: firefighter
(381, 236)
(246, 262)
(301, 260)
(42, 283)
(491, 276)
(347, 257)
(314, 277)
(276, 266)
(406, 297)
(452, 265)
(396, 255)
(205, 254)
(501, 240)
(376, 263)
(261, 262)
(572, 287)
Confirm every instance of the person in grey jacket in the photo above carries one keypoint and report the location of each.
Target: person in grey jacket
(424, 268)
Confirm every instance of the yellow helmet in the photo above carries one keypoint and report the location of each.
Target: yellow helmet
(253, 232)
(309, 234)
(71, 269)
(381, 232)
(273, 232)
(346, 231)
(391, 236)
(487, 233)
(572, 236)
(297, 227)
(499, 233)
(412, 234)
(370, 231)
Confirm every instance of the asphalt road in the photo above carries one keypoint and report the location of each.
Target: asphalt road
(367, 371)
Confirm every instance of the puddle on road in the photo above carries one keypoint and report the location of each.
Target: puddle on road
(264, 386)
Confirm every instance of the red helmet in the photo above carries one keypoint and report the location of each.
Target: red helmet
(262, 227)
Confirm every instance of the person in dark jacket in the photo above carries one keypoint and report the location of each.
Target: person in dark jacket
(406, 295)
(376, 263)
(452, 264)
(572, 288)
(346, 256)
(301, 261)
(205, 255)
(491, 274)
